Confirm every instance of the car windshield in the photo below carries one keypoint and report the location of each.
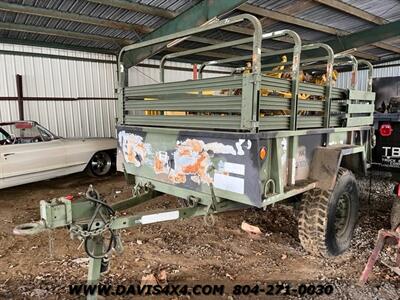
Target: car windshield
(24, 132)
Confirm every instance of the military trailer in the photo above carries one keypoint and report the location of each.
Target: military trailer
(245, 139)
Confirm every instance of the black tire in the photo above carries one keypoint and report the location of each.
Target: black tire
(101, 164)
(327, 218)
(395, 214)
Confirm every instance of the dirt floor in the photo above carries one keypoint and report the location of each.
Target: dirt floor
(187, 250)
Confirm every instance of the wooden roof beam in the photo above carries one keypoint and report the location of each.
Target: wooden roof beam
(137, 7)
(352, 10)
(281, 17)
(63, 33)
(266, 13)
(387, 47)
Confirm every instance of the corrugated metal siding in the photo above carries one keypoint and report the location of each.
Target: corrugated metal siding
(143, 76)
(344, 78)
(49, 77)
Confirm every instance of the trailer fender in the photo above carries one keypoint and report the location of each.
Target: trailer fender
(326, 162)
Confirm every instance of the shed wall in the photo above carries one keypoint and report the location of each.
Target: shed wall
(387, 71)
(51, 77)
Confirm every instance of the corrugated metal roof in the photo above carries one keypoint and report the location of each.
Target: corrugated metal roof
(274, 4)
(324, 15)
(379, 52)
(387, 9)
(89, 9)
(330, 17)
(307, 10)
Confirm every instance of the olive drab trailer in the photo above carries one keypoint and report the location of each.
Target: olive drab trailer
(247, 139)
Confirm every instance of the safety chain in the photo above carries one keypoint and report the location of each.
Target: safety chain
(208, 218)
(78, 230)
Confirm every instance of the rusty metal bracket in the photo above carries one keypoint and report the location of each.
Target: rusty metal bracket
(383, 235)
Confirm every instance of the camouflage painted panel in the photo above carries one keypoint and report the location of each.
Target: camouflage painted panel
(181, 159)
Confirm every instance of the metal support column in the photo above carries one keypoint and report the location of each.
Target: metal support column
(20, 97)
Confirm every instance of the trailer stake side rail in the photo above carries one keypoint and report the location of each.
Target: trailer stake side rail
(251, 139)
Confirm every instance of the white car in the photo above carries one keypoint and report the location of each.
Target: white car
(29, 153)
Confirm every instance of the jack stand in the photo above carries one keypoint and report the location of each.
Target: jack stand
(382, 236)
(95, 265)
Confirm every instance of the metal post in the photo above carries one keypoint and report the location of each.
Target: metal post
(20, 96)
(329, 82)
(354, 68)
(122, 83)
(370, 72)
(195, 72)
(249, 120)
(293, 140)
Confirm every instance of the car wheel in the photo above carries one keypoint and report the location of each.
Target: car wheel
(101, 164)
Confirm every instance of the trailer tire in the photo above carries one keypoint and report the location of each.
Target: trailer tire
(395, 214)
(327, 218)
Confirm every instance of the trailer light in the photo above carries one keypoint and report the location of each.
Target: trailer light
(397, 190)
(385, 130)
(263, 153)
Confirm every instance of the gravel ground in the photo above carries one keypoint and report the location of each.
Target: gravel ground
(188, 251)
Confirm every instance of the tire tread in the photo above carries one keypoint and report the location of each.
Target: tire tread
(313, 219)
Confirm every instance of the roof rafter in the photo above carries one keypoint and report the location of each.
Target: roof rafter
(50, 13)
(278, 16)
(290, 9)
(63, 33)
(352, 10)
(367, 36)
(137, 7)
(267, 13)
(359, 13)
(194, 16)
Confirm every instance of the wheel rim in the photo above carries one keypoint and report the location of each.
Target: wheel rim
(342, 216)
(101, 163)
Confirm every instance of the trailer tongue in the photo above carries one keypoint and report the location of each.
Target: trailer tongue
(244, 140)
